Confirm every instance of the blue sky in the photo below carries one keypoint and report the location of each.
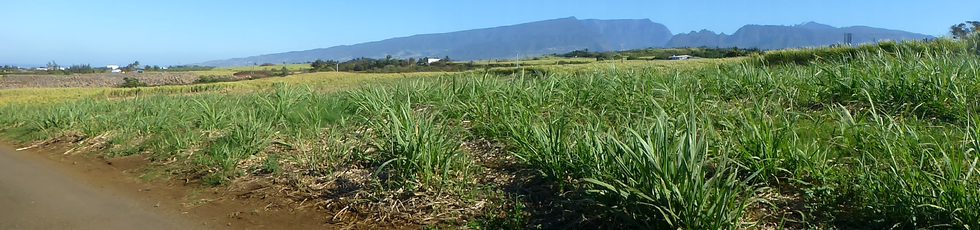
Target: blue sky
(179, 32)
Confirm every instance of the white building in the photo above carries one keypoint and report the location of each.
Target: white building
(681, 57)
(113, 68)
(429, 61)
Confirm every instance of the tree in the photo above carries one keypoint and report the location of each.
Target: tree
(321, 65)
(134, 66)
(52, 65)
(283, 72)
(317, 64)
(86, 68)
(963, 30)
(7, 68)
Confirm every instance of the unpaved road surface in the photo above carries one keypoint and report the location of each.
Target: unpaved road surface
(37, 194)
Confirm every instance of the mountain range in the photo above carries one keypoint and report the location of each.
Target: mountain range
(569, 34)
(770, 37)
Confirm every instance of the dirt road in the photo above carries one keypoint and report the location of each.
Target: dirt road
(36, 194)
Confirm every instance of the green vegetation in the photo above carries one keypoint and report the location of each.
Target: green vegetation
(212, 79)
(7, 68)
(130, 82)
(807, 56)
(390, 65)
(882, 136)
(966, 29)
(662, 54)
(182, 68)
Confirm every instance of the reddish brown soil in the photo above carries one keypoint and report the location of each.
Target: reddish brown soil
(44, 189)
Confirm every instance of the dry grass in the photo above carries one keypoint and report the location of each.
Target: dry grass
(322, 82)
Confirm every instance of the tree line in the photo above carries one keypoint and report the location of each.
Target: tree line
(389, 64)
(661, 54)
(8, 68)
(53, 67)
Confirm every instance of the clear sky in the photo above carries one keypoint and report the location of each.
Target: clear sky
(99, 32)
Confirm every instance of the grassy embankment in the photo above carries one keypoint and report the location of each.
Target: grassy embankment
(877, 137)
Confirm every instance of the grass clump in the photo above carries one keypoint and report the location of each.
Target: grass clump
(665, 178)
(416, 148)
(244, 139)
(413, 145)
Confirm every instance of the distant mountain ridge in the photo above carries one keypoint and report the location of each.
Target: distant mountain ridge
(770, 37)
(569, 34)
(528, 39)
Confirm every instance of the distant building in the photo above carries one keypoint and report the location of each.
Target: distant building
(681, 57)
(50, 68)
(113, 68)
(429, 61)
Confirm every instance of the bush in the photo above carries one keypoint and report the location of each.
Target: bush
(212, 79)
(254, 74)
(130, 82)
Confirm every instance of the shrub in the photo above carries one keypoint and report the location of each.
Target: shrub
(212, 79)
(254, 74)
(131, 82)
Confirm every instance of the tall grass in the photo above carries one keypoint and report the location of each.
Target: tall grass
(808, 56)
(218, 132)
(883, 136)
(670, 173)
(772, 126)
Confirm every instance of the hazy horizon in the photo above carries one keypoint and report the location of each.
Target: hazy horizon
(184, 32)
